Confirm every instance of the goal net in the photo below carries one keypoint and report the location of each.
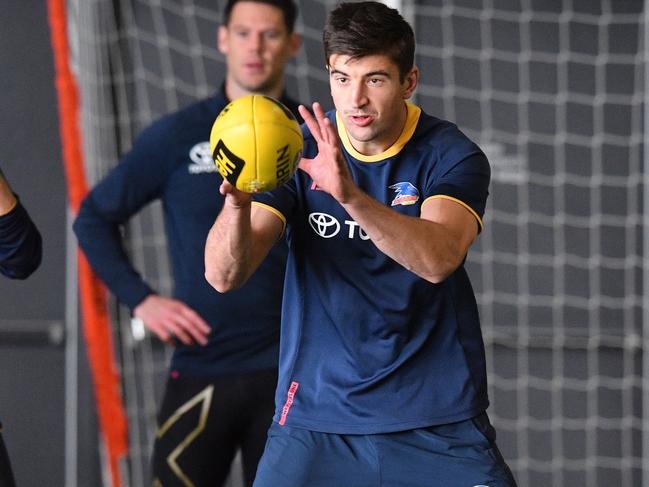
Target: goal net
(554, 94)
(553, 91)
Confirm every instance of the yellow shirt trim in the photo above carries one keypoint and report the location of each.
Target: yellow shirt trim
(275, 212)
(411, 123)
(443, 196)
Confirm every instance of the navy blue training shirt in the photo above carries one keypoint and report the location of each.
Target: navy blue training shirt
(368, 346)
(171, 161)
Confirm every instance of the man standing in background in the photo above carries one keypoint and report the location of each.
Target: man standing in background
(224, 368)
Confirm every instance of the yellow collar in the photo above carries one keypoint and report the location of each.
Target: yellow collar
(411, 123)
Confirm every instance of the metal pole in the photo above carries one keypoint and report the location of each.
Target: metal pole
(71, 357)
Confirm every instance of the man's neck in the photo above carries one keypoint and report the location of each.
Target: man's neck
(375, 147)
(234, 91)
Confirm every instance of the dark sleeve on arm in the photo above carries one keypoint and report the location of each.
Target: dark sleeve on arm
(137, 180)
(463, 174)
(21, 245)
(467, 181)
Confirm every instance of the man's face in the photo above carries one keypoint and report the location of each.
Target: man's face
(257, 46)
(370, 99)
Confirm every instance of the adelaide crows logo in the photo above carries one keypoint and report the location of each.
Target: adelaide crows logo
(407, 194)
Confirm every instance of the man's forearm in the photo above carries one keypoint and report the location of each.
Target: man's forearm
(429, 249)
(228, 247)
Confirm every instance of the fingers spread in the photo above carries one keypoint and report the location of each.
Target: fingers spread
(305, 164)
(319, 112)
(312, 124)
(330, 132)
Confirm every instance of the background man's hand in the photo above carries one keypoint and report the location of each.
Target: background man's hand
(169, 318)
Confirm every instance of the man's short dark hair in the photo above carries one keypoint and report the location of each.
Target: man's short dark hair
(288, 8)
(370, 28)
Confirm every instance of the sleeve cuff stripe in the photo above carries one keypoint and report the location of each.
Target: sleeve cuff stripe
(443, 196)
(274, 211)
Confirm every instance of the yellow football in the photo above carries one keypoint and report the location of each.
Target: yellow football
(256, 143)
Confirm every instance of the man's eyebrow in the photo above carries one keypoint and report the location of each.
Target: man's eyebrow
(377, 73)
(366, 75)
(337, 71)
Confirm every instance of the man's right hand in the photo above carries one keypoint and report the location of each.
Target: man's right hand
(171, 319)
(234, 197)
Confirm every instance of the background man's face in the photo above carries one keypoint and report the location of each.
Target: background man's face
(257, 46)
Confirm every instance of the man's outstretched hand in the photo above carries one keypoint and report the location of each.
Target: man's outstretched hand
(328, 169)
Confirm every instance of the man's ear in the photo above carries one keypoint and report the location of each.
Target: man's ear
(410, 82)
(222, 39)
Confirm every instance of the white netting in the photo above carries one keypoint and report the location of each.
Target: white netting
(553, 91)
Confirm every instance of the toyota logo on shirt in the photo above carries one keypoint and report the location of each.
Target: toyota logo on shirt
(326, 226)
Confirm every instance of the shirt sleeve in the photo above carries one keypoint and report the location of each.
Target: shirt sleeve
(463, 175)
(21, 244)
(138, 179)
(280, 201)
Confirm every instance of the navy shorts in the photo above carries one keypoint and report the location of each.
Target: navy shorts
(462, 454)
